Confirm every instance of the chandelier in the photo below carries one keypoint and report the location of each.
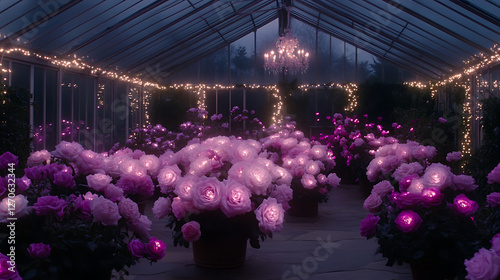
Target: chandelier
(288, 58)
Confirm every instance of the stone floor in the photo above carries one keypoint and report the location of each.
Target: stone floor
(290, 254)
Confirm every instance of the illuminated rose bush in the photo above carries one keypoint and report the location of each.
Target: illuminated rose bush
(70, 214)
(420, 208)
(270, 215)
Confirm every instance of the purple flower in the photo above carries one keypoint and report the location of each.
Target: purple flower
(39, 250)
(372, 202)
(485, 265)
(442, 120)
(495, 244)
(35, 173)
(137, 248)
(155, 249)
(383, 188)
(431, 197)
(191, 231)
(493, 199)
(38, 158)
(437, 175)
(7, 158)
(464, 182)
(8, 271)
(494, 175)
(454, 156)
(463, 206)
(369, 225)
(270, 215)
(23, 184)
(408, 200)
(64, 179)
(105, 211)
(161, 207)
(207, 193)
(48, 205)
(408, 221)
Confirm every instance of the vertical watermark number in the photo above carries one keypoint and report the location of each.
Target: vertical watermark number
(11, 220)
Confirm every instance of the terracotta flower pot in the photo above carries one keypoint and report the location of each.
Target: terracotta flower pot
(220, 252)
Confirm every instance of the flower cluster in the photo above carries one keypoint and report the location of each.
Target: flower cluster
(420, 209)
(156, 140)
(223, 186)
(67, 214)
(485, 265)
(351, 140)
(305, 164)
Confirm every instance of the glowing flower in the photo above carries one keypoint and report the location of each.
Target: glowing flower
(207, 193)
(408, 221)
(270, 215)
(437, 175)
(257, 178)
(235, 199)
(463, 206)
(191, 231)
(168, 177)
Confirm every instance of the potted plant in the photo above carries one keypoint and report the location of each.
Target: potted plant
(421, 213)
(64, 229)
(224, 192)
(308, 164)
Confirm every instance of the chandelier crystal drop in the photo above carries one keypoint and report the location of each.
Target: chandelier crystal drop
(288, 58)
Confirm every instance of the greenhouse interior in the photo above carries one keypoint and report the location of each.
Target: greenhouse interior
(234, 139)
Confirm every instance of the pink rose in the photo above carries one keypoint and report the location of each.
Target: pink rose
(155, 249)
(495, 244)
(485, 265)
(168, 177)
(493, 199)
(129, 209)
(283, 194)
(408, 221)
(236, 170)
(407, 169)
(494, 175)
(151, 163)
(161, 207)
(235, 199)
(178, 208)
(39, 250)
(64, 180)
(105, 211)
(463, 206)
(113, 193)
(372, 202)
(368, 225)
(184, 186)
(22, 209)
(38, 158)
(383, 188)
(141, 226)
(437, 175)
(99, 181)
(191, 231)
(257, 178)
(9, 269)
(270, 215)
(68, 150)
(308, 181)
(90, 162)
(312, 167)
(333, 180)
(454, 156)
(207, 193)
(464, 182)
(281, 175)
(137, 248)
(48, 205)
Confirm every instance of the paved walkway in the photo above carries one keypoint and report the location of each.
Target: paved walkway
(350, 256)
